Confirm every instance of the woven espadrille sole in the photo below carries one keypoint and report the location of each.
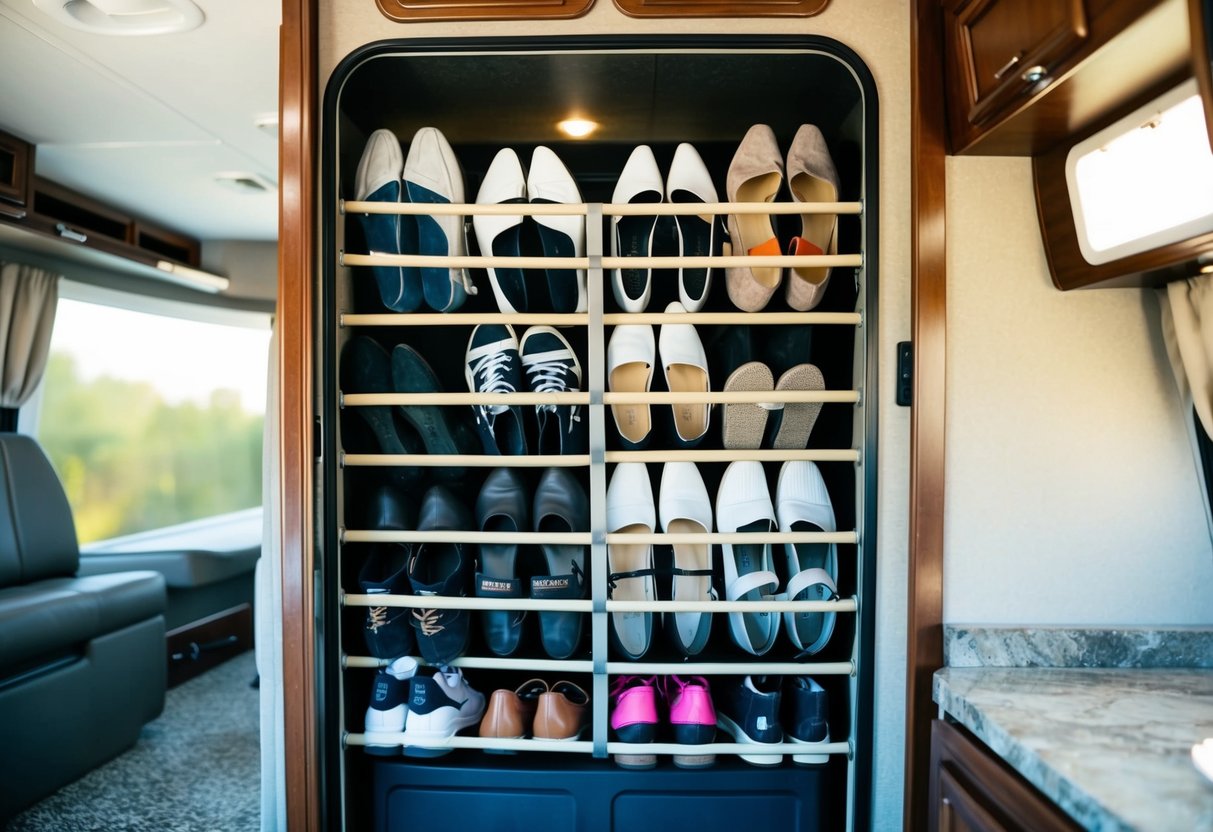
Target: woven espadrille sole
(743, 424)
(798, 417)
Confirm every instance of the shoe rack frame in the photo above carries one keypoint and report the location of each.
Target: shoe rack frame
(338, 323)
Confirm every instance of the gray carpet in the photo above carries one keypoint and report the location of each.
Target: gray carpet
(195, 769)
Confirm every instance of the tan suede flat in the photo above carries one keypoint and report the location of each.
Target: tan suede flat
(755, 175)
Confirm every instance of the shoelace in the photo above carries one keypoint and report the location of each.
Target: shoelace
(490, 369)
(549, 377)
(378, 618)
(428, 621)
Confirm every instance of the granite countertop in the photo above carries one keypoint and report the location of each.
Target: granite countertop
(1110, 746)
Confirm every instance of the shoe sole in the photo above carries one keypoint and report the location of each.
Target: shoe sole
(734, 730)
(798, 417)
(426, 743)
(636, 762)
(744, 424)
(809, 759)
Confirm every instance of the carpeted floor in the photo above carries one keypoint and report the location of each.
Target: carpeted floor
(195, 769)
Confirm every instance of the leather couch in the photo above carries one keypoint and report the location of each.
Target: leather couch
(81, 658)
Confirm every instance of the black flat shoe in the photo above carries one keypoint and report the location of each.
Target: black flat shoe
(438, 428)
(561, 506)
(366, 368)
(503, 506)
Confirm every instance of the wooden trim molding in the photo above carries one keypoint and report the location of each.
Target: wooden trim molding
(722, 8)
(415, 11)
(928, 191)
(296, 254)
(1200, 29)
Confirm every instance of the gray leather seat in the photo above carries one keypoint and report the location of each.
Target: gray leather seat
(81, 658)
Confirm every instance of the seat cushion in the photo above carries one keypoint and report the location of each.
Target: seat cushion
(47, 618)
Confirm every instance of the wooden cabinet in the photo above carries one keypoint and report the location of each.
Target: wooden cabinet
(973, 791)
(721, 8)
(1003, 51)
(16, 171)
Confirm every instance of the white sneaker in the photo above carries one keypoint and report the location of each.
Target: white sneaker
(631, 354)
(640, 181)
(803, 505)
(743, 504)
(685, 366)
(389, 706)
(439, 707)
(629, 507)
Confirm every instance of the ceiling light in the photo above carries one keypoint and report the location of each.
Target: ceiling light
(125, 17)
(576, 128)
(243, 183)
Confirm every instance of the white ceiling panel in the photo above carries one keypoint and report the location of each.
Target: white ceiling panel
(144, 123)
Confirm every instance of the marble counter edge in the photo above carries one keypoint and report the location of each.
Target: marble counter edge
(970, 645)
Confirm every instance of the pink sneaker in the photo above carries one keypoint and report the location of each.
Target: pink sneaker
(692, 717)
(634, 717)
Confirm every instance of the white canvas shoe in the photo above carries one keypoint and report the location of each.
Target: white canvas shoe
(631, 354)
(640, 182)
(803, 505)
(689, 181)
(684, 507)
(432, 175)
(685, 366)
(629, 507)
(500, 235)
(743, 504)
(439, 707)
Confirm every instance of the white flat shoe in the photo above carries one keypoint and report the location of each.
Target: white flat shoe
(560, 235)
(629, 508)
(500, 235)
(631, 355)
(689, 181)
(685, 366)
(640, 182)
(432, 175)
(803, 505)
(743, 504)
(684, 507)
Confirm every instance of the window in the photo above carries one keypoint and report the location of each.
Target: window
(152, 411)
(1145, 181)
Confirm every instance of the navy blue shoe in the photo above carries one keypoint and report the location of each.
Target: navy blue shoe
(378, 180)
(748, 710)
(388, 710)
(806, 723)
(432, 175)
(367, 368)
(492, 364)
(561, 506)
(440, 430)
(551, 366)
(443, 569)
(503, 506)
(387, 632)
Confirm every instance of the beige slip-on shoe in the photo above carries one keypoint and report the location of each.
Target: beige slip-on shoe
(811, 178)
(755, 175)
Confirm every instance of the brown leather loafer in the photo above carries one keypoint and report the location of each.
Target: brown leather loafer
(563, 712)
(511, 713)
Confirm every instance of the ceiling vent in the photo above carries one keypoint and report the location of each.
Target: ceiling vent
(244, 183)
(125, 17)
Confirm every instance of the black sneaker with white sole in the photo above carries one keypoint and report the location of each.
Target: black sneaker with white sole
(492, 365)
(551, 366)
(748, 710)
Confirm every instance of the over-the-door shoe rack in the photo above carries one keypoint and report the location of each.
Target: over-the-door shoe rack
(848, 651)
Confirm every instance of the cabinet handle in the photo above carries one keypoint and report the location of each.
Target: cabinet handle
(1008, 66)
(1034, 74)
(70, 233)
(12, 213)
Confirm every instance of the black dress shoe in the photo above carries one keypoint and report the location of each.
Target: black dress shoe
(503, 506)
(366, 368)
(561, 506)
(441, 569)
(387, 631)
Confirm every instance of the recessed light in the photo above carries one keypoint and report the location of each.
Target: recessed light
(577, 128)
(244, 183)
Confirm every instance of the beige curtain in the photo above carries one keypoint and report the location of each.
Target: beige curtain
(28, 298)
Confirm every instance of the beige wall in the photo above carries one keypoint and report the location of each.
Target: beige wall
(1072, 494)
(879, 31)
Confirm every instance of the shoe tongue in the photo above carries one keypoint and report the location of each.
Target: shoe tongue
(555, 586)
(487, 587)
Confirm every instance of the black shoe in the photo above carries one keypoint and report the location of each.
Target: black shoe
(748, 710)
(440, 430)
(367, 368)
(807, 712)
(501, 507)
(441, 569)
(378, 179)
(551, 366)
(387, 632)
(561, 506)
(492, 365)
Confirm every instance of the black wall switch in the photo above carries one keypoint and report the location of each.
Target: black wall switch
(905, 373)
